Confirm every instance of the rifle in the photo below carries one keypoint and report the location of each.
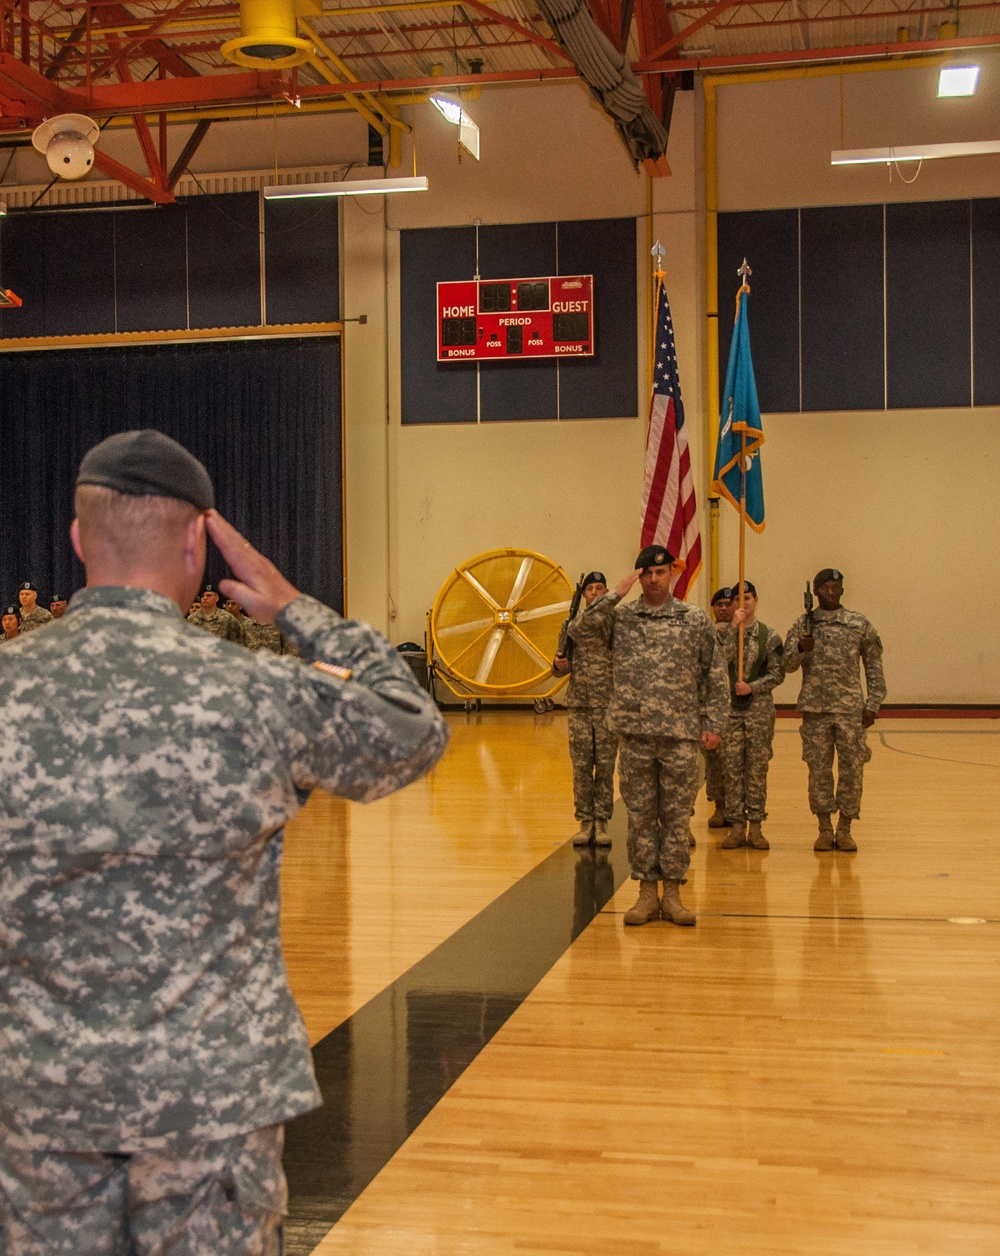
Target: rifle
(808, 603)
(565, 646)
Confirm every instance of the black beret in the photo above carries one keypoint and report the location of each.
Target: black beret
(593, 577)
(147, 464)
(57, 597)
(31, 588)
(653, 556)
(210, 589)
(828, 573)
(11, 610)
(721, 595)
(747, 588)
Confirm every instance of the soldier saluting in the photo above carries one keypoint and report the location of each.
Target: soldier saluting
(828, 644)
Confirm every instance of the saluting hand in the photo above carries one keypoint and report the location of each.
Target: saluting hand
(624, 587)
(259, 587)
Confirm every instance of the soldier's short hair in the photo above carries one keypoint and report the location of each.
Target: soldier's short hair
(128, 525)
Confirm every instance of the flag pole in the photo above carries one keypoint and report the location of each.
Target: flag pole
(744, 271)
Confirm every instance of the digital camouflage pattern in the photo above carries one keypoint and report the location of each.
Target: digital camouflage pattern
(670, 686)
(227, 1199)
(659, 782)
(258, 636)
(218, 622)
(821, 735)
(714, 778)
(747, 744)
(37, 618)
(669, 679)
(831, 679)
(147, 770)
(832, 702)
(593, 748)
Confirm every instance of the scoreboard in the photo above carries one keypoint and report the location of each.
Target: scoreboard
(491, 319)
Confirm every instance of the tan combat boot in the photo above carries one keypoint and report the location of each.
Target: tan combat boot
(717, 820)
(601, 833)
(672, 907)
(737, 836)
(756, 838)
(583, 835)
(692, 843)
(843, 838)
(646, 906)
(825, 839)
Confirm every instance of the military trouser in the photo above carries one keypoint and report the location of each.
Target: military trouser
(821, 734)
(659, 782)
(593, 748)
(212, 1199)
(715, 789)
(747, 748)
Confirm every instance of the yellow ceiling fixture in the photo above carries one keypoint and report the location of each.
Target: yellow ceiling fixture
(268, 39)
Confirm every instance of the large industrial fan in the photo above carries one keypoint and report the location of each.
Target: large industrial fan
(494, 627)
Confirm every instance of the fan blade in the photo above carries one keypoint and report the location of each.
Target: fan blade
(489, 657)
(521, 581)
(529, 649)
(491, 602)
(471, 646)
(456, 629)
(542, 612)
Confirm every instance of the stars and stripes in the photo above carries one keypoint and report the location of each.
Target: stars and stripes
(669, 509)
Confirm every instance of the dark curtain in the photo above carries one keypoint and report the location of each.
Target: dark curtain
(264, 417)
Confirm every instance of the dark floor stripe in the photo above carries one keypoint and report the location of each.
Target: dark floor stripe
(385, 1068)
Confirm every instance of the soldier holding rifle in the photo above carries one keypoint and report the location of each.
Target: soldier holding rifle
(585, 652)
(828, 644)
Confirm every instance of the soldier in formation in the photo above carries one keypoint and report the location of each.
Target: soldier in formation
(747, 742)
(32, 615)
(57, 606)
(830, 645)
(9, 624)
(259, 636)
(668, 698)
(593, 746)
(715, 790)
(213, 618)
(143, 1089)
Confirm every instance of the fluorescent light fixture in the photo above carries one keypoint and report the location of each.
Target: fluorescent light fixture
(346, 187)
(449, 108)
(914, 152)
(958, 80)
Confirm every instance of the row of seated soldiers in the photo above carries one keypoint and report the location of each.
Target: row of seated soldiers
(228, 622)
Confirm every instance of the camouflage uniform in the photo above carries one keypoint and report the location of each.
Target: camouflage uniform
(831, 702)
(258, 636)
(144, 1004)
(715, 789)
(593, 747)
(218, 622)
(669, 688)
(37, 618)
(747, 742)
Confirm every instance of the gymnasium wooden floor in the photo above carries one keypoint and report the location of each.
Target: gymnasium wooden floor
(813, 1069)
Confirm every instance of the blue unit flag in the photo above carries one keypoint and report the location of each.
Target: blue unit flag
(740, 415)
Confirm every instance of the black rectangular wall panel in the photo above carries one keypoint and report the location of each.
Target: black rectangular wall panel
(433, 392)
(518, 390)
(606, 385)
(22, 269)
(986, 302)
(151, 267)
(843, 361)
(769, 240)
(79, 252)
(224, 260)
(928, 332)
(302, 260)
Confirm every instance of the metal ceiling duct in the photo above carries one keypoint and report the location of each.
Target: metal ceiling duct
(609, 76)
(268, 39)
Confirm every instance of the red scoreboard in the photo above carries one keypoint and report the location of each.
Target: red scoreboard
(516, 318)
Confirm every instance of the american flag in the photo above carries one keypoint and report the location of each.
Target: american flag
(669, 509)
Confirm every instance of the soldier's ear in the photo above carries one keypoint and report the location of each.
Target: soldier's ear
(74, 536)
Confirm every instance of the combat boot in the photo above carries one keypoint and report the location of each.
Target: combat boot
(601, 833)
(717, 820)
(672, 907)
(843, 839)
(737, 836)
(583, 836)
(825, 839)
(646, 906)
(756, 838)
(692, 842)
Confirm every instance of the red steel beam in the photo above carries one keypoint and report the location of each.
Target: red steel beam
(169, 16)
(131, 180)
(807, 56)
(20, 82)
(145, 136)
(690, 29)
(548, 44)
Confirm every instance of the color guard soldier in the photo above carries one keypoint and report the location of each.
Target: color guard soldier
(593, 747)
(829, 644)
(715, 790)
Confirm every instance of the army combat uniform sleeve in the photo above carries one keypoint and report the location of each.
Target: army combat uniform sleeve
(713, 685)
(774, 668)
(871, 658)
(792, 657)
